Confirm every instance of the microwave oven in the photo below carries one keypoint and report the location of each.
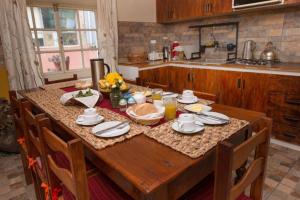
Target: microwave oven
(239, 4)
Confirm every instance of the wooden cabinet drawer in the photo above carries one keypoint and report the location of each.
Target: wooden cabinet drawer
(286, 133)
(285, 116)
(280, 99)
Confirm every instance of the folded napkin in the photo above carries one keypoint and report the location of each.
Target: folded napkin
(89, 102)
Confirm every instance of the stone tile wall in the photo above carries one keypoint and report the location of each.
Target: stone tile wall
(282, 27)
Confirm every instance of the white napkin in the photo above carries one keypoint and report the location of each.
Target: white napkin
(89, 102)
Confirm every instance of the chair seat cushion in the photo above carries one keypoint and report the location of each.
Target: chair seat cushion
(205, 191)
(100, 188)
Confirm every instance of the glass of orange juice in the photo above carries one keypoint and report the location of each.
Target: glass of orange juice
(156, 94)
(170, 104)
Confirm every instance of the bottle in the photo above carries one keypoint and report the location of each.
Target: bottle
(174, 53)
(166, 49)
(152, 50)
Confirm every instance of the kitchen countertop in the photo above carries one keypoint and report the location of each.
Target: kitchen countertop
(292, 69)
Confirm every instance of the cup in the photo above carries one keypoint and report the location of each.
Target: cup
(186, 122)
(170, 104)
(157, 94)
(90, 111)
(188, 95)
(89, 115)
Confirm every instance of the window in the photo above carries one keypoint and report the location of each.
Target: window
(65, 39)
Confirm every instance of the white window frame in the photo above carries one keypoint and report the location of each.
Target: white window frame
(83, 72)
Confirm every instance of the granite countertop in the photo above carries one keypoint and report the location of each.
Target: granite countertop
(276, 68)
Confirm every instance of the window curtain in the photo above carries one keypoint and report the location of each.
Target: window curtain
(20, 58)
(108, 31)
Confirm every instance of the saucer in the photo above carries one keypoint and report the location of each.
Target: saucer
(184, 101)
(91, 123)
(198, 129)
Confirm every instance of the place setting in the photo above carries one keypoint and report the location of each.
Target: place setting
(100, 127)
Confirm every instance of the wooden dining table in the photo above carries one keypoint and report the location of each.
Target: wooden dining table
(147, 169)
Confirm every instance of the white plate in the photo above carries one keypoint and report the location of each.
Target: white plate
(210, 121)
(195, 100)
(110, 133)
(198, 129)
(204, 108)
(85, 123)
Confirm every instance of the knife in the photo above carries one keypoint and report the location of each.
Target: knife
(213, 117)
(111, 128)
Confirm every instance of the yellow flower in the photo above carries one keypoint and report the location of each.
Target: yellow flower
(111, 78)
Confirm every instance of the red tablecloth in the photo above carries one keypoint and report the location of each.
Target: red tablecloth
(105, 103)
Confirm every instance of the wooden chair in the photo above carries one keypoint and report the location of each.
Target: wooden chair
(157, 85)
(21, 137)
(73, 179)
(229, 159)
(207, 96)
(74, 78)
(35, 160)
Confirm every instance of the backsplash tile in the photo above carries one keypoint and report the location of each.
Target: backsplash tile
(282, 27)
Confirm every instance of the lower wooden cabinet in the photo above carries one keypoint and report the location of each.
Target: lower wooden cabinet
(276, 95)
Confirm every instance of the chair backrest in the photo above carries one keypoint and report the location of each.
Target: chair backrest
(207, 96)
(75, 178)
(17, 113)
(31, 128)
(230, 159)
(157, 85)
(74, 78)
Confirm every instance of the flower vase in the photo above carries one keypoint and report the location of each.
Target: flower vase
(115, 97)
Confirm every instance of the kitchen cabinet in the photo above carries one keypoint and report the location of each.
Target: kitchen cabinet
(255, 89)
(229, 88)
(157, 75)
(292, 2)
(205, 80)
(180, 79)
(179, 10)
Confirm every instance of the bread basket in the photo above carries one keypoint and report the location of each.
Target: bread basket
(146, 120)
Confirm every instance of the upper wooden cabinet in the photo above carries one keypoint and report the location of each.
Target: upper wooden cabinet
(292, 2)
(178, 10)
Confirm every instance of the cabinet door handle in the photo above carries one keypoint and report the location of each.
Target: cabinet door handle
(244, 84)
(289, 135)
(189, 77)
(293, 101)
(239, 83)
(291, 118)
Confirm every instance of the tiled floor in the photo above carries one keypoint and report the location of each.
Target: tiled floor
(282, 181)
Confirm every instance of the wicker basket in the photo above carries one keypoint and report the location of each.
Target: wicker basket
(147, 122)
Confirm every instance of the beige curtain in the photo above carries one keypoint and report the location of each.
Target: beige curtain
(108, 31)
(20, 58)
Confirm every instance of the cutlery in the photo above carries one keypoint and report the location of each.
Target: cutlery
(168, 94)
(118, 126)
(212, 117)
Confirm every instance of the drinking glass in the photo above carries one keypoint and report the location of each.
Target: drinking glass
(170, 104)
(157, 94)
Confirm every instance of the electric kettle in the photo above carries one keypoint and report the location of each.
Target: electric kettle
(248, 51)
